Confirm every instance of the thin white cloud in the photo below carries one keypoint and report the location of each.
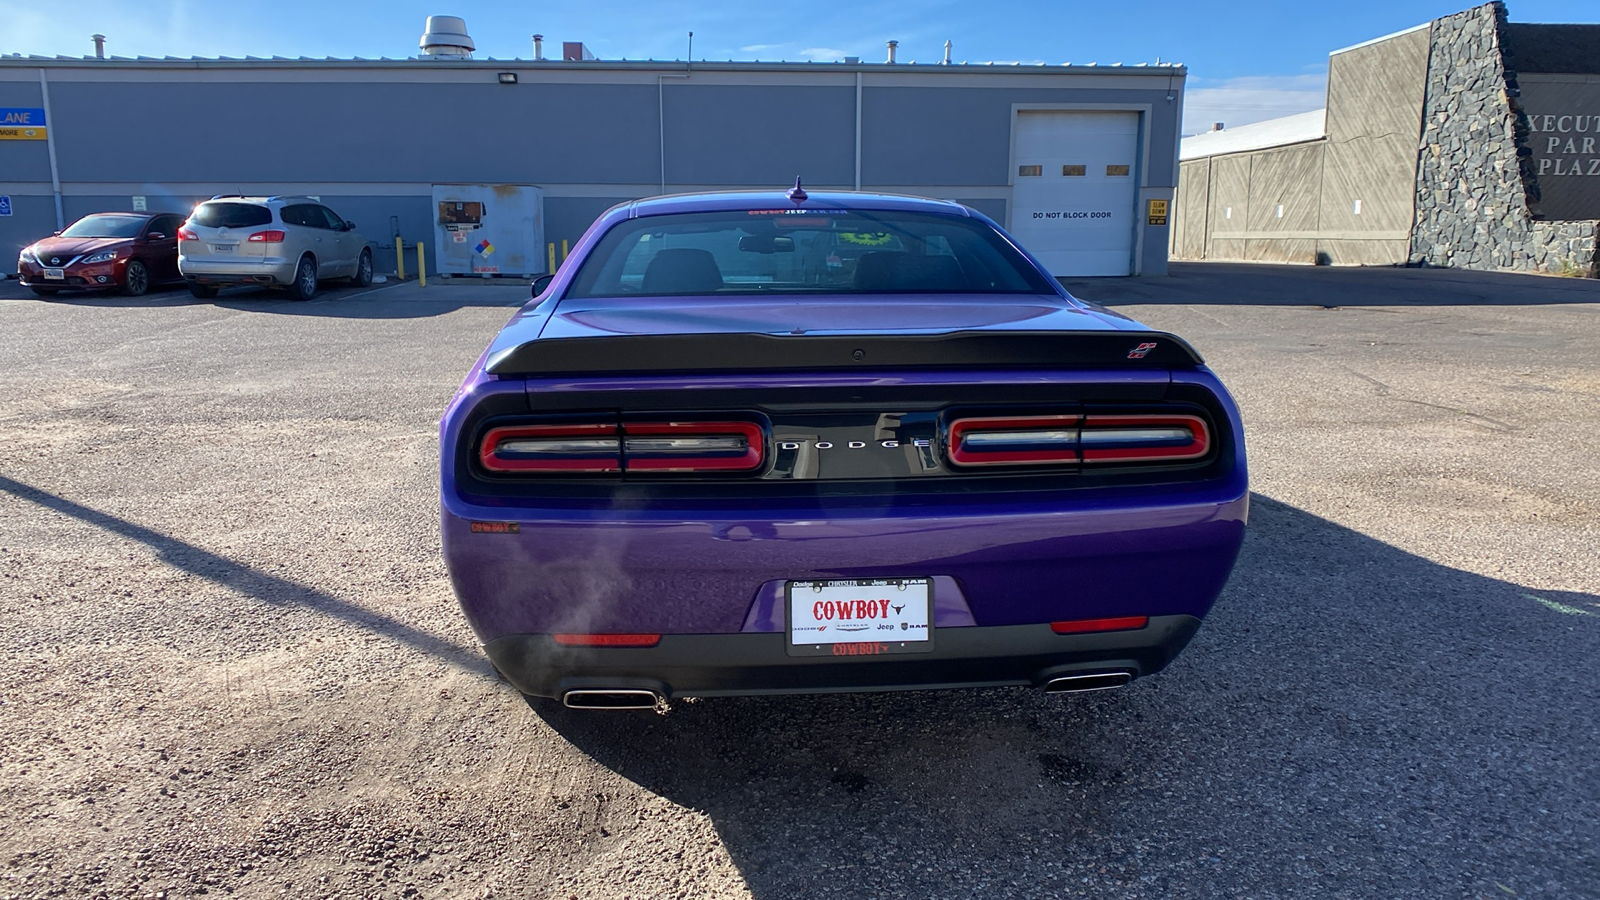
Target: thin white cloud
(757, 48)
(1250, 99)
(822, 54)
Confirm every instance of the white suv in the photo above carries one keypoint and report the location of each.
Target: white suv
(291, 242)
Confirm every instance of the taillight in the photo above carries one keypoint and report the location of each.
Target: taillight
(1090, 626)
(266, 237)
(607, 448)
(594, 448)
(1091, 439)
(1143, 438)
(608, 640)
(692, 446)
(185, 234)
(1010, 441)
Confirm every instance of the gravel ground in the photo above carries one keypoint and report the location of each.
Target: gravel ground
(234, 666)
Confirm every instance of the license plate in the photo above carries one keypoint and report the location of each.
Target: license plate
(223, 248)
(55, 274)
(859, 616)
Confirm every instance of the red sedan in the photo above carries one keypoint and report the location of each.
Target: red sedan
(129, 252)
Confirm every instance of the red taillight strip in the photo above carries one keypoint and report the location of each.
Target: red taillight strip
(266, 237)
(1198, 445)
(607, 640)
(964, 456)
(1087, 626)
(185, 234)
(692, 459)
(601, 461)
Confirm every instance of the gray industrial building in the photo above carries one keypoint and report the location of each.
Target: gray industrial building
(1080, 161)
(1468, 141)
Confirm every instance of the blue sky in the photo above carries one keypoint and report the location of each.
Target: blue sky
(1248, 60)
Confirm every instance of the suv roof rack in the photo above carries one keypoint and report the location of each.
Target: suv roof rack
(226, 196)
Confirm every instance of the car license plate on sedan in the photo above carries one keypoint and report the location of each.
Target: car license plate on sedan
(55, 274)
(223, 248)
(859, 616)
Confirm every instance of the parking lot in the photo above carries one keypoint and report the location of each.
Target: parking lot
(234, 663)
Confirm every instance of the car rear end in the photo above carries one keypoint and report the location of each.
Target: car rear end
(646, 500)
(236, 241)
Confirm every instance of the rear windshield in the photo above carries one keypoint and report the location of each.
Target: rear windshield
(214, 214)
(825, 251)
(106, 226)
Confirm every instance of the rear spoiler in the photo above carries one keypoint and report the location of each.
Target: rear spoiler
(745, 352)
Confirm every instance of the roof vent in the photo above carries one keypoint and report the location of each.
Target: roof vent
(1216, 126)
(445, 37)
(575, 51)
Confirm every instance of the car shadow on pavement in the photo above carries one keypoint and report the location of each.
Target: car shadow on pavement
(1256, 284)
(401, 300)
(1352, 721)
(252, 583)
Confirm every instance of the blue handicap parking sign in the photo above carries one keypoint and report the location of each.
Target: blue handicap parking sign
(5, 205)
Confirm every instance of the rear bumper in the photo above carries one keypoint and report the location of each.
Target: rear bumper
(239, 270)
(712, 665)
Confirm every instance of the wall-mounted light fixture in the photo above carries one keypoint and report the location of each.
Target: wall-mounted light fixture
(508, 78)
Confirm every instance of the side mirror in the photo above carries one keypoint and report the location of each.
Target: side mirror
(766, 243)
(349, 225)
(542, 283)
(155, 236)
(55, 234)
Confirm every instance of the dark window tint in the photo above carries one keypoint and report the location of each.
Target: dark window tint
(221, 214)
(831, 251)
(105, 226)
(167, 225)
(333, 220)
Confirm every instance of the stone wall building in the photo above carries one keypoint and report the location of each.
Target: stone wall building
(1469, 142)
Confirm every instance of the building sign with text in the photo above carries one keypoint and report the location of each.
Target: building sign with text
(1564, 134)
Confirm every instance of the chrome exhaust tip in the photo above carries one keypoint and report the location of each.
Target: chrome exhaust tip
(613, 699)
(1093, 681)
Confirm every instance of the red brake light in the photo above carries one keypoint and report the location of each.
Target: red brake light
(693, 446)
(185, 234)
(1088, 626)
(608, 640)
(1143, 438)
(1014, 440)
(266, 237)
(574, 448)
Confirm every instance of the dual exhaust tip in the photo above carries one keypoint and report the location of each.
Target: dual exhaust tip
(629, 698)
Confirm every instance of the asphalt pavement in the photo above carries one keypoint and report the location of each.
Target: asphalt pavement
(234, 664)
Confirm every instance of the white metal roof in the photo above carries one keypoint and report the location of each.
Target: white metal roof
(1295, 129)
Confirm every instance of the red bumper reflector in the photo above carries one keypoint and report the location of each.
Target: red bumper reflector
(608, 640)
(1087, 626)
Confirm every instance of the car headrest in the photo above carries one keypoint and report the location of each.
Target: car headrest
(682, 270)
(893, 270)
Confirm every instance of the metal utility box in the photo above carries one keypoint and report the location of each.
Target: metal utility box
(489, 229)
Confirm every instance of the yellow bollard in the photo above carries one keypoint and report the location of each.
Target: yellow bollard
(563, 249)
(400, 257)
(552, 249)
(422, 266)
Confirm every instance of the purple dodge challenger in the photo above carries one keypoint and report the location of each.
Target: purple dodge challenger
(763, 443)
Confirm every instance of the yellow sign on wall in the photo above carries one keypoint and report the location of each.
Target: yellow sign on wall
(8, 133)
(1158, 212)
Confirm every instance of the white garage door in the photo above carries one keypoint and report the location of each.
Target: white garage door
(1075, 193)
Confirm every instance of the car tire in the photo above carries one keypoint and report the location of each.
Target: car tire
(363, 275)
(202, 291)
(305, 279)
(44, 291)
(135, 279)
